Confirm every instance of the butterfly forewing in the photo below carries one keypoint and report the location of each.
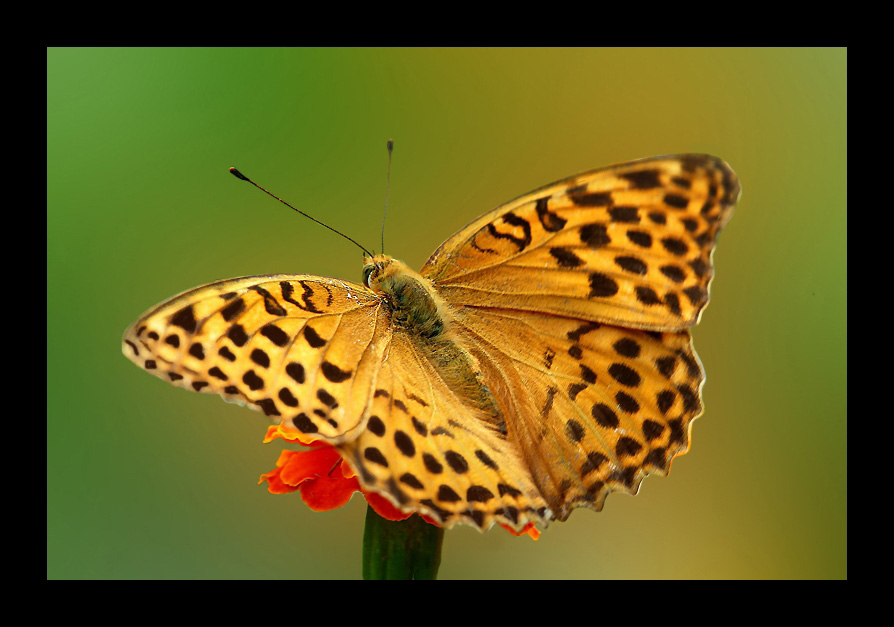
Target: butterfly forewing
(298, 348)
(628, 244)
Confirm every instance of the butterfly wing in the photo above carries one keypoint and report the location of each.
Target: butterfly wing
(569, 306)
(575, 300)
(629, 244)
(591, 408)
(322, 356)
(428, 451)
(302, 349)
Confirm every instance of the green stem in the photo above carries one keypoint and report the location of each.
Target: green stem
(405, 549)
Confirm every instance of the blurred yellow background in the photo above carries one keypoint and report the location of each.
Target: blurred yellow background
(148, 481)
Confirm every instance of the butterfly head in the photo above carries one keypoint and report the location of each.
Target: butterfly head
(373, 267)
(380, 271)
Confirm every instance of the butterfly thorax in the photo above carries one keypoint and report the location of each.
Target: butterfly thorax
(413, 302)
(418, 310)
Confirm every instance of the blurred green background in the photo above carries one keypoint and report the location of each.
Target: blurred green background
(148, 481)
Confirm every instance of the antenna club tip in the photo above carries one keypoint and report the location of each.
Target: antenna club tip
(390, 145)
(238, 174)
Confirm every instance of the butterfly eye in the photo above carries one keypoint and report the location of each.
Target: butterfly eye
(367, 272)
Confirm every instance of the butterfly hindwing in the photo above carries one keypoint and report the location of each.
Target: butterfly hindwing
(427, 451)
(592, 408)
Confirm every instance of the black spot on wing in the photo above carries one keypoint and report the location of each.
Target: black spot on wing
(313, 338)
(185, 319)
(549, 220)
(565, 257)
(237, 335)
(334, 373)
(580, 197)
(602, 285)
(270, 303)
(275, 334)
(232, 310)
(644, 179)
(513, 220)
(594, 235)
(305, 301)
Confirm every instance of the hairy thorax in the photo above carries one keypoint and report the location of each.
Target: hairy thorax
(417, 310)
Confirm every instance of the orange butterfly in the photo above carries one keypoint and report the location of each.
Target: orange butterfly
(539, 360)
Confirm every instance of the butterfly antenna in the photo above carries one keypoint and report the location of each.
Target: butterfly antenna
(390, 145)
(239, 175)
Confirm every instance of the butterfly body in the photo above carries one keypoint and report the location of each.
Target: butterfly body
(539, 360)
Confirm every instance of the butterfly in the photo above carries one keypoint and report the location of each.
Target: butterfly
(539, 360)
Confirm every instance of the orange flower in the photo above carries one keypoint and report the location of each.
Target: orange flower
(326, 482)
(319, 474)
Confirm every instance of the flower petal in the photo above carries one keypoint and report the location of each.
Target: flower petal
(303, 465)
(325, 493)
(384, 508)
(317, 473)
(290, 435)
(275, 484)
(527, 530)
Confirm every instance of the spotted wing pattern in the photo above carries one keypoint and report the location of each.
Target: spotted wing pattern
(630, 245)
(296, 347)
(591, 408)
(540, 360)
(577, 299)
(428, 451)
(321, 356)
